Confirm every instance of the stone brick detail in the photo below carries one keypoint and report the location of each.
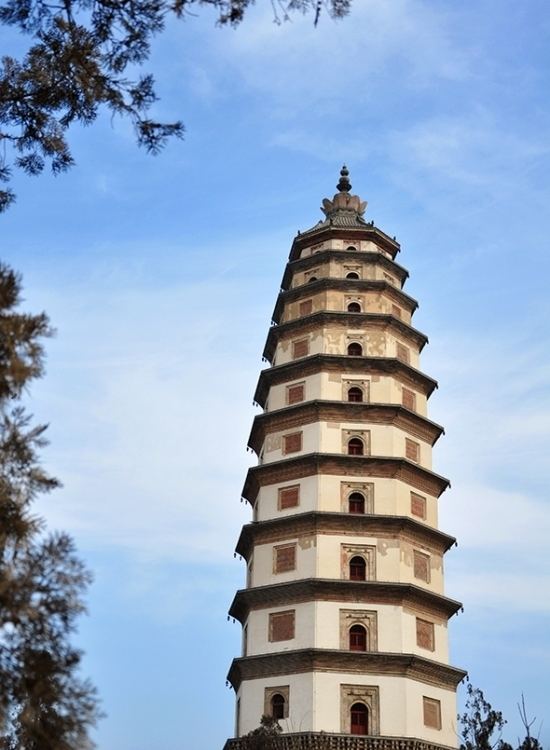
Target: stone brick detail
(292, 443)
(402, 353)
(281, 626)
(408, 399)
(421, 565)
(418, 505)
(306, 307)
(300, 348)
(269, 692)
(365, 488)
(284, 558)
(366, 551)
(425, 634)
(326, 741)
(432, 713)
(350, 694)
(288, 497)
(412, 450)
(295, 393)
(367, 618)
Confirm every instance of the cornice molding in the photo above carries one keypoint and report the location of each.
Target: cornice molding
(366, 413)
(345, 524)
(310, 464)
(344, 591)
(299, 368)
(344, 319)
(350, 662)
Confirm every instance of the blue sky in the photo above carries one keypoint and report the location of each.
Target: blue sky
(160, 275)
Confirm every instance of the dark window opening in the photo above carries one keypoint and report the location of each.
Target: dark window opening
(355, 394)
(357, 638)
(356, 503)
(352, 275)
(355, 447)
(355, 349)
(357, 569)
(359, 719)
(350, 247)
(311, 278)
(354, 307)
(278, 706)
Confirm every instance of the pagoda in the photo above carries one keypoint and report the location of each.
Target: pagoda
(344, 617)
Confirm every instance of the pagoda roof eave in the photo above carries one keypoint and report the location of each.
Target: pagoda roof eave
(341, 362)
(337, 660)
(339, 589)
(312, 522)
(308, 464)
(306, 412)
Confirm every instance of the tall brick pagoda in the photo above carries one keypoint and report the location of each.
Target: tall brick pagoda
(344, 617)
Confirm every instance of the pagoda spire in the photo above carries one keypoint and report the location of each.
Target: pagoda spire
(344, 206)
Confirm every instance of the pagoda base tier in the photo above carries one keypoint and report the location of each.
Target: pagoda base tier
(327, 741)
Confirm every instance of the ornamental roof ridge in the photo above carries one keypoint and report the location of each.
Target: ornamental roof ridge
(344, 210)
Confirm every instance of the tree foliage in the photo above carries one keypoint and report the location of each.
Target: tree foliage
(77, 63)
(264, 737)
(44, 705)
(481, 726)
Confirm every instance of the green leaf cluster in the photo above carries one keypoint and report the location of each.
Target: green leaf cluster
(44, 704)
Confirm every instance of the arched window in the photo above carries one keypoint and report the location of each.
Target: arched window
(354, 307)
(357, 569)
(356, 503)
(359, 719)
(357, 638)
(355, 447)
(355, 349)
(350, 247)
(278, 706)
(352, 275)
(355, 394)
(311, 278)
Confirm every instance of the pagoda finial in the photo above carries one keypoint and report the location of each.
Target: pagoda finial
(344, 207)
(344, 185)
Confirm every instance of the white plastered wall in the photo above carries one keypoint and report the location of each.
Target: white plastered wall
(320, 556)
(317, 625)
(329, 386)
(379, 342)
(323, 492)
(326, 437)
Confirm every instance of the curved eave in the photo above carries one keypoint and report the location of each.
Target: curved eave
(341, 464)
(339, 590)
(308, 412)
(356, 662)
(351, 285)
(361, 232)
(316, 522)
(314, 363)
(302, 264)
(350, 320)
